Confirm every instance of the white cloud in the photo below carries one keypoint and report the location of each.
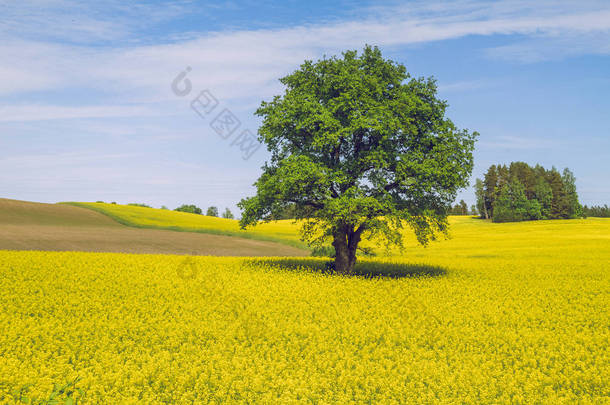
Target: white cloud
(519, 142)
(246, 64)
(81, 22)
(53, 112)
(239, 63)
(551, 47)
(466, 85)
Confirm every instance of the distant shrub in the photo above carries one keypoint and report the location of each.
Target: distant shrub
(139, 205)
(227, 214)
(190, 208)
(212, 212)
(163, 207)
(114, 202)
(100, 202)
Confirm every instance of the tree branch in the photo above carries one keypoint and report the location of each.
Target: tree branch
(391, 186)
(311, 204)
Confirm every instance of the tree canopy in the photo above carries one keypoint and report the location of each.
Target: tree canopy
(359, 148)
(190, 208)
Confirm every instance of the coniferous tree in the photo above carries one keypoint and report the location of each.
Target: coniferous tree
(574, 209)
(560, 203)
(491, 186)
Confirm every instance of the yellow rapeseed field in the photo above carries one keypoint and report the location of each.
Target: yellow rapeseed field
(285, 231)
(513, 313)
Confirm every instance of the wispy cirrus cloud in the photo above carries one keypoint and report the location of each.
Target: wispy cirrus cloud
(512, 142)
(34, 112)
(247, 62)
(84, 23)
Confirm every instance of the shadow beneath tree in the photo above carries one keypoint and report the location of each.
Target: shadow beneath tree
(367, 269)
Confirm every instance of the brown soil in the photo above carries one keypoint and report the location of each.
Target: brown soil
(37, 226)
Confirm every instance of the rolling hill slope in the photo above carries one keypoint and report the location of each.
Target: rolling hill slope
(61, 227)
(528, 238)
(284, 231)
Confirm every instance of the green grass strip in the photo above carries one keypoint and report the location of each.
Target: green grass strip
(212, 231)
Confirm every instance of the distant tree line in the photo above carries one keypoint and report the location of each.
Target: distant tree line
(519, 192)
(190, 208)
(210, 212)
(596, 211)
(462, 209)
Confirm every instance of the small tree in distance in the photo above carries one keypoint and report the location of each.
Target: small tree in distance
(212, 212)
(359, 149)
(463, 208)
(190, 208)
(227, 214)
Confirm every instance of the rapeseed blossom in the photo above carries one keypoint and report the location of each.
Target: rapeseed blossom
(519, 316)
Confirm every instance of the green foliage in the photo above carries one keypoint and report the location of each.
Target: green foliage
(287, 212)
(359, 149)
(190, 208)
(596, 211)
(66, 394)
(544, 195)
(479, 189)
(139, 205)
(574, 209)
(227, 214)
(323, 251)
(534, 209)
(560, 203)
(212, 211)
(511, 205)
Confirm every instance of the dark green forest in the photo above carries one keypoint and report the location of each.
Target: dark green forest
(519, 192)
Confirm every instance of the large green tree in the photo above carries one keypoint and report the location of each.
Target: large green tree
(359, 149)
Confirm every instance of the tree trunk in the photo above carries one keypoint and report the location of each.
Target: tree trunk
(345, 242)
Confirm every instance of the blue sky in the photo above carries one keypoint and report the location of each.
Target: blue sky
(87, 111)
